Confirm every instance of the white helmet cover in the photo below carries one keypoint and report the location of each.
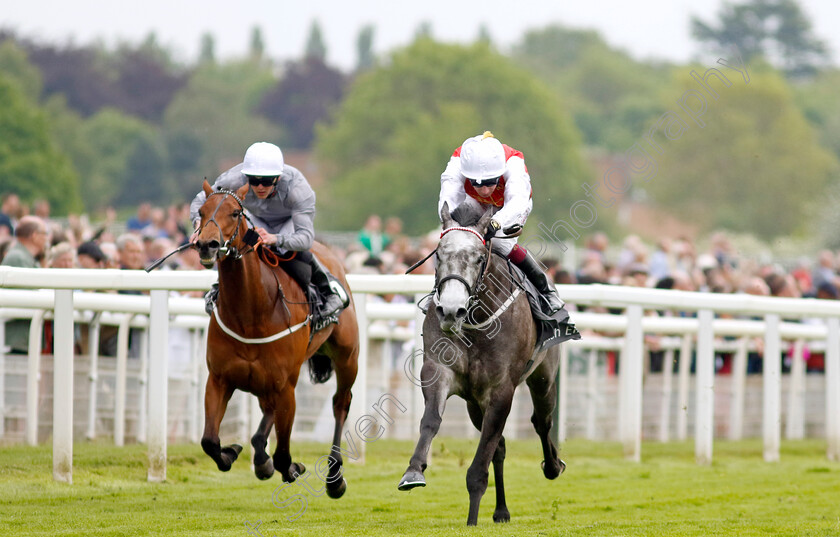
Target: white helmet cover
(482, 158)
(263, 159)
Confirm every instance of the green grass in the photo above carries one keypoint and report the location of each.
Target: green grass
(666, 494)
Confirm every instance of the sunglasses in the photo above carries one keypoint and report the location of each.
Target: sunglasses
(257, 180)
(484, 182)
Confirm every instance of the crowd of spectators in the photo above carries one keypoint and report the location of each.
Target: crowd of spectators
(30, 237)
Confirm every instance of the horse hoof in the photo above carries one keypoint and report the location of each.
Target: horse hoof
(501, 515)
(553, 472)
(264, 470)
(227, 456)
(337, 492)
(410, 480)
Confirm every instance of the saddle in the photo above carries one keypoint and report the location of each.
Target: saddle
(552, 329)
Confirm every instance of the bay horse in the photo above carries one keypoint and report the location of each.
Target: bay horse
(260, 336)
(479, 344)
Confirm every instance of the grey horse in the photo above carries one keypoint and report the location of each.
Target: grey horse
(479, 344)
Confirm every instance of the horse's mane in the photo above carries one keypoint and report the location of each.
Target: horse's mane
(467, 214)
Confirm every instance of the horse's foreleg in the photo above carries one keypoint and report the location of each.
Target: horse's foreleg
(345, 377)
(263, 466)
(491, 433)
(544, 395)
(435, 395)
(284, 418)
(216, 397)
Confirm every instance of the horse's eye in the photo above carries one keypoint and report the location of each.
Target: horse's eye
(237, 214)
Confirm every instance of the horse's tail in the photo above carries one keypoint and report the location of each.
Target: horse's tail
(320, 368)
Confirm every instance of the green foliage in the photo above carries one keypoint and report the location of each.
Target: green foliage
(315, 47)
(365, 58)
(30, 163)
(776, 30)
(211, 121)
(399, 124)
(756, 166)
(610, 94)
(113, 177)
(16, 68)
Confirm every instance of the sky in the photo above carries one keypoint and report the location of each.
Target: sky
(647, 29)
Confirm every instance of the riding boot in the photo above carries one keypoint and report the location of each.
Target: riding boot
(540, 280)
(320, 278)
(210, 298)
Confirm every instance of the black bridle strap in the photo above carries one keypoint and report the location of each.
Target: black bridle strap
(455, 277)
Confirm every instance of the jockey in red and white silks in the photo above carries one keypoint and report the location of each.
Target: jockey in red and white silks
(486, 172)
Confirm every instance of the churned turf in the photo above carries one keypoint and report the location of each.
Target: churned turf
(666, 494)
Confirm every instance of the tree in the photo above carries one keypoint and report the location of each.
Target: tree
(211, 122)
(208, 49)
(257, 47)
(364, 49)
(398, 125)
(15, 66)
(754, 166)
(611, 95)
(315, 47)
(306, 95)
(776, 30)
(30, 164)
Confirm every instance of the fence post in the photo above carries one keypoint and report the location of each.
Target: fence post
(121, 378)
(665, 409)
(772, 383)
(795, 426)
(359, 390)
(630, 387)
(832, 389)
(592, 398)
(739, 380)
(2, 377)
(63, 386)
(704, 423)
(93, 374)
(33, 376)
(683, 375)
(158, 383)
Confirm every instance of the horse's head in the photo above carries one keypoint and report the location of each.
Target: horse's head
(223, 224)
(461, 257)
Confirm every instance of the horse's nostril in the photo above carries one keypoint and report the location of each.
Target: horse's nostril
(439, 311)
(461, 313)
(214, 244)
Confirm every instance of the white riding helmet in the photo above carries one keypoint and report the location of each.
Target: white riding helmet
(483, 158)
(263, 159)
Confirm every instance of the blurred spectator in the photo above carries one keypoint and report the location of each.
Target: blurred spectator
(132, 254)
(371, 235)
(143, 218)
(62, 255)
(112, 254)
(41, 209)
(10, 213)
(31, 240)
(90, 255)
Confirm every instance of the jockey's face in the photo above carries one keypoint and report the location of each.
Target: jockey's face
(485, 191)
(262, 186)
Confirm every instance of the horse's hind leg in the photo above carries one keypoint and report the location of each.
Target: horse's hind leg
(544, 395)
(263, 466)
(216, 397)
(491, 433)
(435, 395)
(501, 514)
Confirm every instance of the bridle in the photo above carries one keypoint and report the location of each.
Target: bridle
(479, 283)
(227, 247)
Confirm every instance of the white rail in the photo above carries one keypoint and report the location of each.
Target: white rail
(153, 312)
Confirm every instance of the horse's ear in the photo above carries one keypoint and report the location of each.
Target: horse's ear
(445, 216)
(485, 219)
(207, 188)
(240, 193)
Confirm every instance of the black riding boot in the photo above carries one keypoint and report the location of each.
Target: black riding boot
(320, 278)
(535, 274)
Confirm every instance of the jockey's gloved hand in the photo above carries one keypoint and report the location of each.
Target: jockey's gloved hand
(492, 228)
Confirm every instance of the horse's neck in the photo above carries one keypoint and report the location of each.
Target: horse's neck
(496, 288)
(244, 279)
